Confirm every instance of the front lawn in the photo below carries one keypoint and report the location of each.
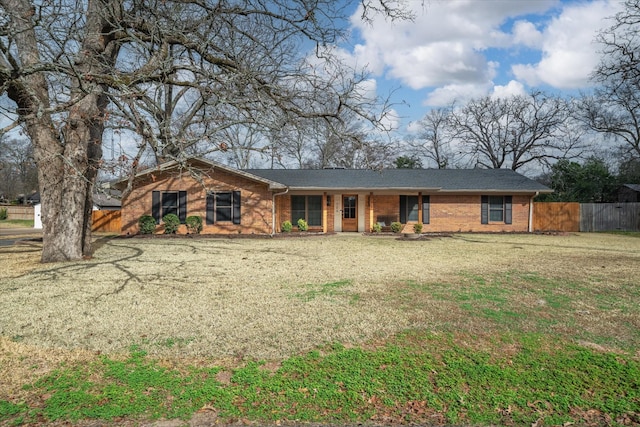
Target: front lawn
(468, 329)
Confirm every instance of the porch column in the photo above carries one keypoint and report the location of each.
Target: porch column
(324, 212)
(420, 207)
(371, 209)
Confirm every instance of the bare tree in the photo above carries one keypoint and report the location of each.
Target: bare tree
(513, 132)
(171, 71)
(614, 109)
(18, 173)
(434, 138)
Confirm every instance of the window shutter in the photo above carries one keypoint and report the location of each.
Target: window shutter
(507, 209)
(403, 209)
(182, 206)
(155, 206)
(236, 207)
(425, 210)
(484, 210)
(210, 216)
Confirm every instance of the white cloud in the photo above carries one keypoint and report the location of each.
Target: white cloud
(459, 93)
(445, 44)
(510, 89)
(526, 34)
(568, 52)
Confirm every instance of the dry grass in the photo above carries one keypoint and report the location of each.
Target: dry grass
(215, 298)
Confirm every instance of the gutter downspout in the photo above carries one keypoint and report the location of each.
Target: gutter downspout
(273, 210)
(531, 211)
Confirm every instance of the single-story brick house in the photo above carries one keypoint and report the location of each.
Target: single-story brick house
(257, 201)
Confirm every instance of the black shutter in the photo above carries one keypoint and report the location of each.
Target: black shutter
(507, 209)
(403, 209)
(484, 210)
(425, 210)
(182, 206)
(236, 207)
(210, 215)
(155, 206)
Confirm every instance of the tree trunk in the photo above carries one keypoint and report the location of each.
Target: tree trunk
(67, 160)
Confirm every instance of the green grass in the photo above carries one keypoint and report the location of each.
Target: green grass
(524, 368)
(528, 302)
(417, 377)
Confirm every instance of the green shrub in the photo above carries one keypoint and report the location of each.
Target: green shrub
(286, 227)
(417, 228)
(3, 214)
(396, 227)
(194, 224)
(147, 224)
(376, 228)
(302, 225)
(171, 223)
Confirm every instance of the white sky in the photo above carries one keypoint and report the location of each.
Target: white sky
(459, 49)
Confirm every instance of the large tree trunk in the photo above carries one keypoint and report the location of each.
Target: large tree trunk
(68, 161)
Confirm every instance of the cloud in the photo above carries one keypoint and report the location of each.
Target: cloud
(459, 49)
(526, 34)
(446, 43)
(568, 51)
(511, 89)
(459, 93)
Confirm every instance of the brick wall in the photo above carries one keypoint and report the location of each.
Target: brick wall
(255, 200)
(448, 213)
(462, 214)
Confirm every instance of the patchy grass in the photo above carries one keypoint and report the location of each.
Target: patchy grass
(469, 329)
(418, 377)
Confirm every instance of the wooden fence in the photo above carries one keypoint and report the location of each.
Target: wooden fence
(586, 217)
(610, 217)
(18, 211)
(556, 216)
(106, 221)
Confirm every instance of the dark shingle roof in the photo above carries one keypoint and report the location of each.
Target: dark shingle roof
(456, 180)
(634, 187)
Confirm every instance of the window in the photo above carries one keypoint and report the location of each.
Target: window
(169, 202)
(425, 210)
(495, 209)
(308, 208)
(408, 209)
(223, 206)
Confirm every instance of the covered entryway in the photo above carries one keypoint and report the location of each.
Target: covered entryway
(350, 212)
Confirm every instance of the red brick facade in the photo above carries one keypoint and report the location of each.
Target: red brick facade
(447, 212)
(255, 205)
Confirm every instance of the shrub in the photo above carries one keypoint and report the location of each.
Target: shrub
(376, 228)
(286, 226)
(417, 228)
(396, 227)
(194, 224)
(302, 225)
(147, 224)
(171, 223)
(3, 214)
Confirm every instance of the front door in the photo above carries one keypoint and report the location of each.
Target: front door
(349, 213)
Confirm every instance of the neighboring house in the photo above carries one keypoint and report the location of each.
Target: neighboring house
(107, 200)
(257, 201)
(629, 193)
